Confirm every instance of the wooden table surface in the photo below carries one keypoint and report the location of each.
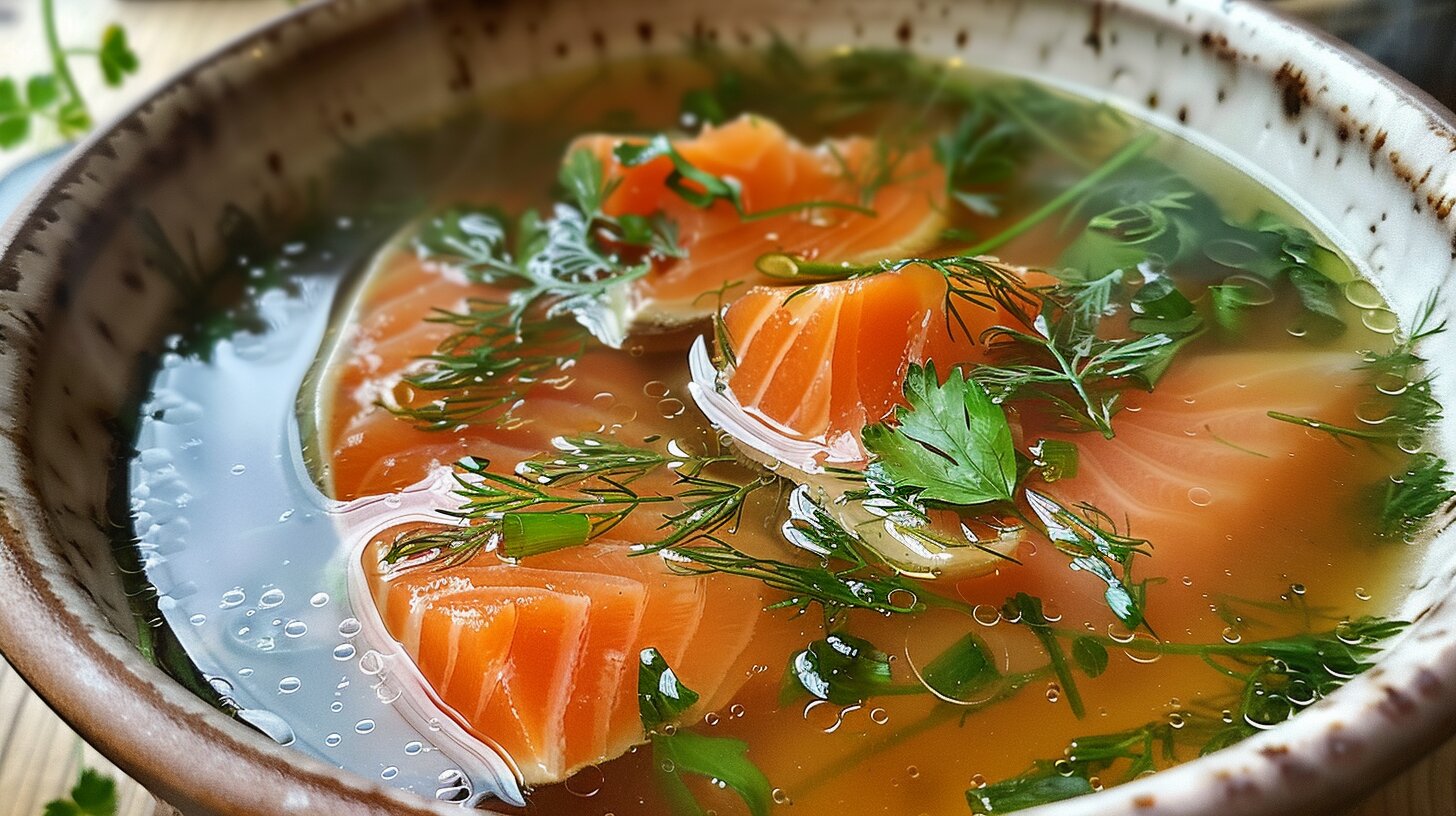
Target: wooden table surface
(39, 756)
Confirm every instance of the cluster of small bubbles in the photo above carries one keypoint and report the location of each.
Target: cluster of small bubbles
(781, 797)
(333, 740)
(349, 627)
(270, 598)
(1380, 320)
(364, 726)
(289, 685)
(1200, 497)
(413, 748)
(1361, 594)
(344, 651)
(295, 628)
(198, 619)
(879, 716)
(389, 773)
(233, 598)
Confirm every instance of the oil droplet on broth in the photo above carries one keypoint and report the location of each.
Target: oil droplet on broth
(585, 783)
(1199, 497)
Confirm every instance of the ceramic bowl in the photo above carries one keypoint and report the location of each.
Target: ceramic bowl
(1370, 159)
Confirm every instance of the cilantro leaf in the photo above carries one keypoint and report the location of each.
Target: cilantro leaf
(92, 795)
(661, 697)
(953, 444)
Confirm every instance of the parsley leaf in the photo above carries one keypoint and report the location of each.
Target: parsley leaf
(953, 444)
(92, 795)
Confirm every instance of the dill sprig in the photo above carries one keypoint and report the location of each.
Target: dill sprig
(1096, 547)
(587, 456)
(839, 577)
(1277, 678)
(485, 365)
(518, 517)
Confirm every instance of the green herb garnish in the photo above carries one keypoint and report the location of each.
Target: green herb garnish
(952, 443)
(662, 699)
(93, 795)
(1278, 677)
(55, 96)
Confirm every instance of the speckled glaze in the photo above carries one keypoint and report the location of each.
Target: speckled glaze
(1369, 159)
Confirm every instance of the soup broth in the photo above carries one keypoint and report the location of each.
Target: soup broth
(843, 431)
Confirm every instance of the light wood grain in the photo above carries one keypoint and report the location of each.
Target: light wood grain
(39, 756)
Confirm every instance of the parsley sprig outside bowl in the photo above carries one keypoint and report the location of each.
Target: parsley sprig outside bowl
(141, 227)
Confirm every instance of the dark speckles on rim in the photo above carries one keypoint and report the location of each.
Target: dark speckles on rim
(1293, 89)
(645, 31)
(1093, 40)
(904, 33)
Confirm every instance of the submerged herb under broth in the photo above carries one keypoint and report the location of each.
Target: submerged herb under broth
(1147, 274)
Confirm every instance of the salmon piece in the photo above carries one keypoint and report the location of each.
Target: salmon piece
(816, 365)
(540, 660)
(365, 450)
(772, 170)
(1197, 465)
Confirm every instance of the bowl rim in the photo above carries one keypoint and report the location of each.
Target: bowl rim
(37, 628)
